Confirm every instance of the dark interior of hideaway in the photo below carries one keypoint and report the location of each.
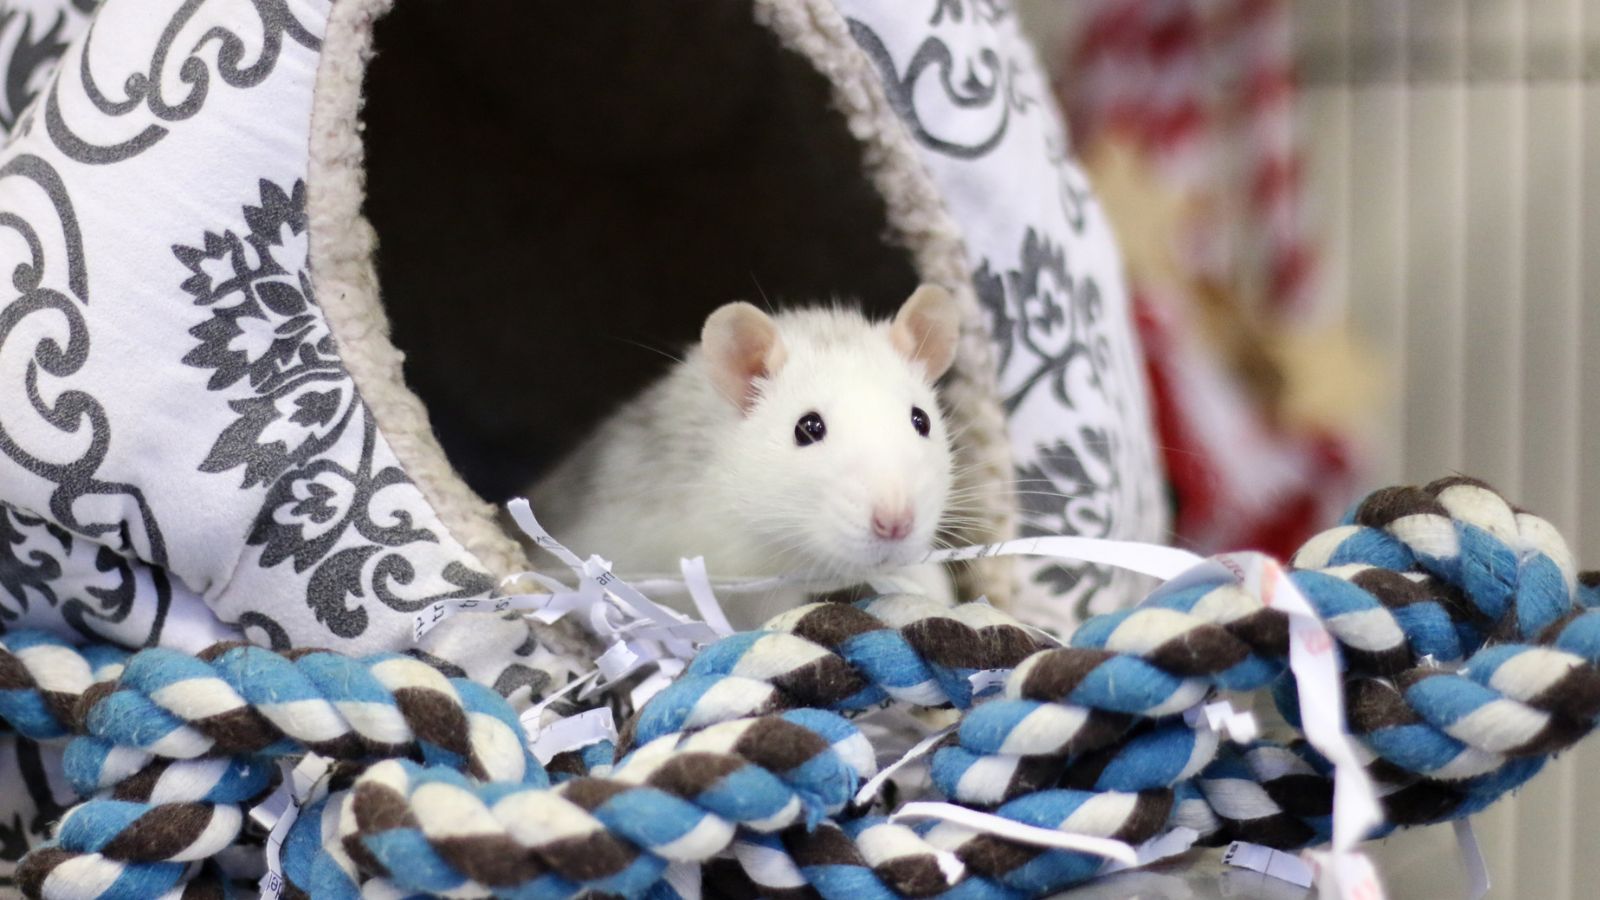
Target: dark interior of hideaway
(561, 197)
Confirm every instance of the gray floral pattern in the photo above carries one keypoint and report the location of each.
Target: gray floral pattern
(62, 438)
(32, 787)
(42, 563)
(1040, 307)
(984, 85)
(35, 35)
(1048, 323)
(306, 530)
(265, 334)
(298, 427)
(239, 57)
(971, 96)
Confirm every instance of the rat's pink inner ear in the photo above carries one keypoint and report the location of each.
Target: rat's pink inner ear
(741, 345)
(925, 329)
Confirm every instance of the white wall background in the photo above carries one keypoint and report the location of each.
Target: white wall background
(1455, 178)
(1456, 170)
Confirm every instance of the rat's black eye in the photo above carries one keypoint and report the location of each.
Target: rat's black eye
(809, 429)
(919, 421)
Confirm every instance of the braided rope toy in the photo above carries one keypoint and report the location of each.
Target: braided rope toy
(173, 748)
(1470, 653)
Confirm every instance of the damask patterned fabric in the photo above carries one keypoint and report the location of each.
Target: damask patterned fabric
(33, 795)
(175, 422)
(33, 35)
(970, 91)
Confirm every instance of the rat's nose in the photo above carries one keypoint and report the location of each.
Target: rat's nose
(892, 524)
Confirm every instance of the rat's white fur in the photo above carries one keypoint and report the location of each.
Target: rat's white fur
(682, 471)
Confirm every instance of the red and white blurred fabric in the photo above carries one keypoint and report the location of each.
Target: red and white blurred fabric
(1201, 94)
(1239, 480)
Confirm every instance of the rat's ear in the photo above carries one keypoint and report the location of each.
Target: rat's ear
(741, 344)
(925, 329)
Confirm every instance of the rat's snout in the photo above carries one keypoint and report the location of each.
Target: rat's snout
(892, 522)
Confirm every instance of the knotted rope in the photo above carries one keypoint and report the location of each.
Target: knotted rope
(1462, 567)
(1470, 656)
(173, 748)
(42, 678)
(238, 699)
(678, 799)
(841, 657)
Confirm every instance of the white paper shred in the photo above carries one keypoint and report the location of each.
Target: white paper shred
(705, 599)
(1240, 726)
(572, 733)
(1156, 560)
(684, 879)
(530, 717)
(987, 823)
(875, 784)
(1343, 871)
(279, 811)
(1347, 875)
(546, 607)
(950, 866)
(636, 631)
(667, 670)
(984, 681)
(1471, 857)
(1272, 863)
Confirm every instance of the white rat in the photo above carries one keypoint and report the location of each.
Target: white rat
(808, 442)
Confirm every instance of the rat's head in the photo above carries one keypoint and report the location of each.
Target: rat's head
(840, 454)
